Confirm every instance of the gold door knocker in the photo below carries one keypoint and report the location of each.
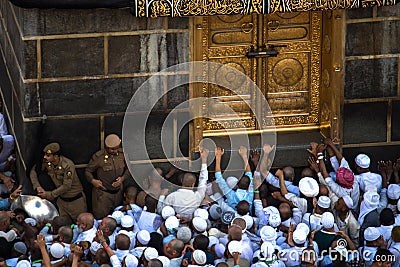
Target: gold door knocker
(273, 25)
(247, 27)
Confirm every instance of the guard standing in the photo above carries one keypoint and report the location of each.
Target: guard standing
(107, 171)
(67, 191)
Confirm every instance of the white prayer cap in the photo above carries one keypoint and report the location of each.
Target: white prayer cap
(150, 253)
(249, 221)
(143, 236)
(235, 246)
(324, 202)
(117, 215)
(20, 247)
(124, 232)
(393, 191)
(327, 220)
(131, 261)
(199, 224)
(214, 231)
(219, 250)
(309, 187)
(215, 211)
(299, 236)
(167, 211)
(267, 250)
(363, 161)
(232, 181)
(371, 199)
(213, 241)
(172, 222)
(184, 234)
(30, 221)
(304, 227)
(164, 260)
(270, 210)
(371, 234)
(199, 257)
(268, 234)
(202, 213)
(23, 263)
(348, 201)
(126, 221)
(275, 219)
(57, 250)
(94, 247)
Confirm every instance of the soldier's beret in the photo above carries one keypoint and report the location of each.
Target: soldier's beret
(51, 148)
(112, 140)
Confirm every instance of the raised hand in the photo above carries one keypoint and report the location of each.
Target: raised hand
(256, 181)
(219, 151)
(313, 164)
(268, 148)
(328, 141)
(321, 148)
(243, 151)
(313, 150)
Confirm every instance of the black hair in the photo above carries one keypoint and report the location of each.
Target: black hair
(386, 217)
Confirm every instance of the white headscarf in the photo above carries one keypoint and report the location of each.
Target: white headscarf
(370, 202)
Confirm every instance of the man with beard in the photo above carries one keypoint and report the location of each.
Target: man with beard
(67, 192)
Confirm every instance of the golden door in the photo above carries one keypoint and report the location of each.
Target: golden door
(291, 80)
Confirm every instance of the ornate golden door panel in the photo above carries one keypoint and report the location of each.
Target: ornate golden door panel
(290, 81)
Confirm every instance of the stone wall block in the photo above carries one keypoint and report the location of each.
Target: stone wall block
(73, 57)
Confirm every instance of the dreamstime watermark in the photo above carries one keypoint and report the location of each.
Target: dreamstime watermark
(236, 89)
(338, 253)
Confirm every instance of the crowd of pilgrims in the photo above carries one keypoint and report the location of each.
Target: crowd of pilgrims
(337, 213)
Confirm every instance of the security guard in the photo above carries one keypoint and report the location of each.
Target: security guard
(107, 171)
(68, 192)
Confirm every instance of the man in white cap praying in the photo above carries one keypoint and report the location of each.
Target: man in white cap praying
(314, 220)
(130, 261)
(142, 239)
(149, 254)
(185, 201)
(370, 207)
(327, 234)
(297, 240)
(345, 219)
(373, 240)
(309, 189)
(393, 194)
(365, 176)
